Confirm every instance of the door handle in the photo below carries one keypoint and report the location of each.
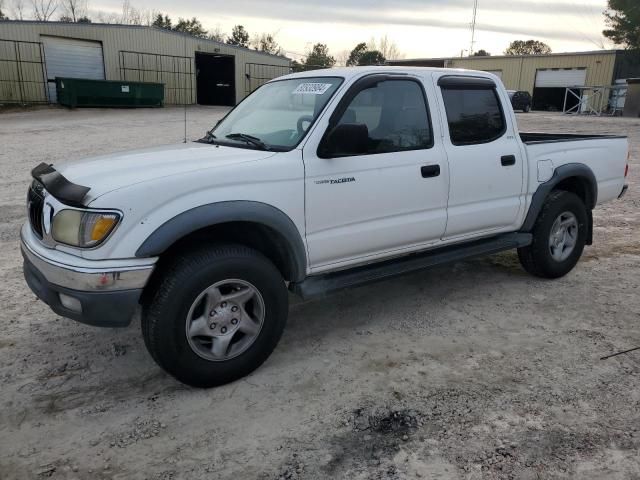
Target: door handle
(429, 171)
(508, 160)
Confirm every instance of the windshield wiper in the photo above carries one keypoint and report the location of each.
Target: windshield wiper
(209, 137)
(249, 139)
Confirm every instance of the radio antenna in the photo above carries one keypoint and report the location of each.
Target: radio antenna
(473, 26)
(190, 84)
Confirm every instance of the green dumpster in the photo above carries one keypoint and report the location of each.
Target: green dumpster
(79, 92)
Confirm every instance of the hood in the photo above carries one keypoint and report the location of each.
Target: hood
(106, 173)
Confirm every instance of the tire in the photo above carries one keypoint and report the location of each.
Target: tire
(546, 257)
(526, 109)
(186, 342)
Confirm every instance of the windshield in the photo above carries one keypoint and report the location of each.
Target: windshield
(277, 115)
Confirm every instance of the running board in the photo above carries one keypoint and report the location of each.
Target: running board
(320, 285)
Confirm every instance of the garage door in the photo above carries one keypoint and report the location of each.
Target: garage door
(570, 77)
(67, 57)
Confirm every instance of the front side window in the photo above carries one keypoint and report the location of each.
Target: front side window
(276, 116)
(395, 115)
(474, 115)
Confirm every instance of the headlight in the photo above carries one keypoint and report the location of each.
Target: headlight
(83, 228)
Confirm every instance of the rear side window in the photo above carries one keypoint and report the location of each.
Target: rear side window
(474, 115)
(395, 114)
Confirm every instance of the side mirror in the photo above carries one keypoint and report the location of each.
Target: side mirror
(344, 140)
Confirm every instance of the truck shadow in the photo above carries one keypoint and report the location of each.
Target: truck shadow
(103, 377)
(388, 300)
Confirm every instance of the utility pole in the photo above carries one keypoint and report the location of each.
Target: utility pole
(473, 26)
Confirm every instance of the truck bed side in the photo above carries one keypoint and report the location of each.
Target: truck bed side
(605, 155)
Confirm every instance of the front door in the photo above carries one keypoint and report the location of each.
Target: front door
(391, 196)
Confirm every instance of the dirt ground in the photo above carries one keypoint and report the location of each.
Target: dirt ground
(473, 370)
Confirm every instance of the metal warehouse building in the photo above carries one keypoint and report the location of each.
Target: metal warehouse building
(547, 77)
(193, 70)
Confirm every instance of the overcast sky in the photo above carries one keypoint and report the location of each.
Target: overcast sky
(420, 28)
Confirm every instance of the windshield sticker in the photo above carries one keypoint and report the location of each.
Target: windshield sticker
(312, 88)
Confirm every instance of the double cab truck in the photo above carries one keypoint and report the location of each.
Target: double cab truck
(317, 181)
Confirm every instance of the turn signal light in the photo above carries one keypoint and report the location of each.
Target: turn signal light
(102, 227)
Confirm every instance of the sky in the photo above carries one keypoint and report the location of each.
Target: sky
(419, 28)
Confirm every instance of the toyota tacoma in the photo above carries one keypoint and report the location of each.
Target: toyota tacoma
(317, 181)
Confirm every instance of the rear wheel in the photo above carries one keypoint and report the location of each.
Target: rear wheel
(527, 109)
(559, 237)
(216, 316)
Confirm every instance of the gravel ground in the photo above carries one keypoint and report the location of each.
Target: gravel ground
(473, 370)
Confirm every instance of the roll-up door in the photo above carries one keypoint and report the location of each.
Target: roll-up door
(570, 77)
(68, 57)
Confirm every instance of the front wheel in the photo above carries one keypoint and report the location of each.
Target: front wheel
(559, 237)
(526, 109)
(216, 316)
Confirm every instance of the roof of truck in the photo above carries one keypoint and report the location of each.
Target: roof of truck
(350, 72)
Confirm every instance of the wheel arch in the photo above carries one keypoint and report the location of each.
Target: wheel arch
(573, 177)
(254, 224)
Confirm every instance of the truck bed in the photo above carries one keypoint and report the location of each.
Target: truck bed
(531, 138)
(605, 155)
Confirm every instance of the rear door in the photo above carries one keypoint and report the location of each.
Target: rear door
(486, 162)
(390, 199)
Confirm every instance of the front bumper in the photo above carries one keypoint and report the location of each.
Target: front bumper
(91, 294)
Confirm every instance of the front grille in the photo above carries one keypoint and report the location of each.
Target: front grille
(35, 204)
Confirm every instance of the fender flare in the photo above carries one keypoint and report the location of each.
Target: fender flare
(569, 170)
(212, 214)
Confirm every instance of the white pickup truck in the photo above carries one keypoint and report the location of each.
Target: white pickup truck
(315, 182)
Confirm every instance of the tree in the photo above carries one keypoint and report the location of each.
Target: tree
(527, 47)
(363, 54)
(162, 21)
(73, 9)
(130, 14)
(319, 57)
(296, 66)
(84, 19)
(217, 35)
(386, 47)
(43, 10)
(110, 17)
(481, 53)
(266, 42)
(623, 20)
(17, 9)
(192, 27)
(3, 16)
(371, 57)
(239, 36)
(356, 53)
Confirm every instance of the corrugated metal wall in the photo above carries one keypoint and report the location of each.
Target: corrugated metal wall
(519, 73)
(116, 38)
